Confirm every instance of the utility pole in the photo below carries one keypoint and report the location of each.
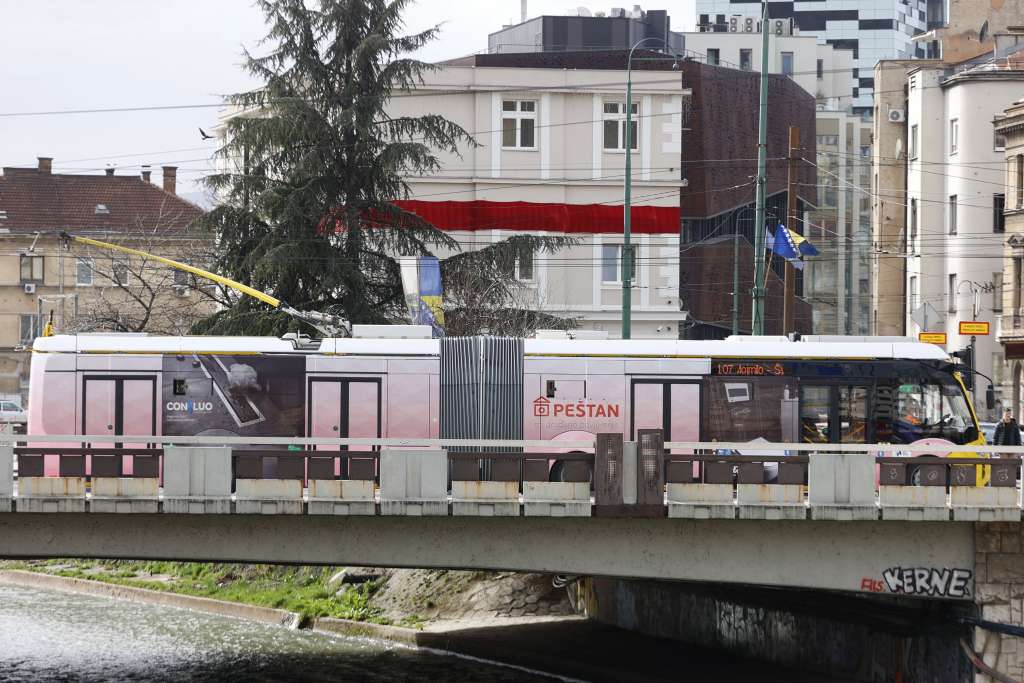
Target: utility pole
(789, 301)
(627, 248)
(736, 280)
(757, 322)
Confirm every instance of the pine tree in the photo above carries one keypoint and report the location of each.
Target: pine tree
(310, 215)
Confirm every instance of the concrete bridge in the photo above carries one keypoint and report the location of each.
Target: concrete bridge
(822, 517)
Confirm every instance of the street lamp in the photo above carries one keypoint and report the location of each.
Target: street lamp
(627, 249)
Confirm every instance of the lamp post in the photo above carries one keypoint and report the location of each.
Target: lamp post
(627, 248)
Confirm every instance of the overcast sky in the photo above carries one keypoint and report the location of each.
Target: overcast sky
(92, 54)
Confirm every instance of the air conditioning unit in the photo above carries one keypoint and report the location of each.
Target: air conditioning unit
(734, 23)
(782, 27)
(182, 290)
(750, 26)
(30, 287)
(897, 116)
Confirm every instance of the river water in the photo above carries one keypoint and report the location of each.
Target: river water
(51, 636)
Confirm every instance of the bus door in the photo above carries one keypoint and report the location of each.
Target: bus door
(346, 407)
(671, 405)
(835, 413)
(124, 405)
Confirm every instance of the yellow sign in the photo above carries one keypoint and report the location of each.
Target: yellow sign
(975, 328)
(932, 337)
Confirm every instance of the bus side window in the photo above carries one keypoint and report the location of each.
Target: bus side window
(745, 409)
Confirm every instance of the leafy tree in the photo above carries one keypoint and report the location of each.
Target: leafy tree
(311, 215)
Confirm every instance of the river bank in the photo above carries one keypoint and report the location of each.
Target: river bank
(565, 647)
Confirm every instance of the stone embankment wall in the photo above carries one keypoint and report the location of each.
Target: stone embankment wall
(866, 638)
(999, 593)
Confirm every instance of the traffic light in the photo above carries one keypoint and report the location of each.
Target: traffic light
(966, 358)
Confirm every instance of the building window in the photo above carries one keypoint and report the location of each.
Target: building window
(524, 267)
(119, 272)
(952, 293)
(31, 268)
(83, 272)
(913, 294)
(518, 124)
(913, 224)
(1017, 282)
(913, 82)
(998, 213)
(713, 55)
(997, 292)
(29, 328)
(998, 141)
(952, 214)
(180, 278)
(954, 136)
(746, 60)
(611, 263)
(615, 126)
(913, 141)
(787, 63)
(1020, 181)
(821, 69)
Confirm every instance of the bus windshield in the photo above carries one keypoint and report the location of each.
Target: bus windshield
(930, 410)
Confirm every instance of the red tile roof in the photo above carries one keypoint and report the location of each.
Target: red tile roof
(39, 201)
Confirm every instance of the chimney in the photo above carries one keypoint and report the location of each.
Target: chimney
(110, 171)
(146, 173)
(45, 165)
(522, 12)
(170, 179)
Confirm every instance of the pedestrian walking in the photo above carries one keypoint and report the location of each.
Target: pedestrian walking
(1007, 431)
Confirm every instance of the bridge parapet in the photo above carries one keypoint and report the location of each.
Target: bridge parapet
(606, 477)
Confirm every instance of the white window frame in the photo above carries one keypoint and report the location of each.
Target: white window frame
(33, 324)
(714, 56)
(127, 273)
(519, 113)
(618, 263)
(954, 136)
(782, 64)
(913, 142)
(36, 263)
(91, 264)
(619, 115)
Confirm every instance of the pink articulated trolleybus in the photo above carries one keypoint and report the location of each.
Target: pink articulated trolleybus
(399, 382)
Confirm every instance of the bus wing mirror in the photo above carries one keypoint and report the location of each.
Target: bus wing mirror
(990, 398)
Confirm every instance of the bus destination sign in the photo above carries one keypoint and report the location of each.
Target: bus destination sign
(741, 369)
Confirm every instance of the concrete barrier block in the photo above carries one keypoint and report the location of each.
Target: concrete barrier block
(770, 501)
(844, 513)
(913, 503)
(347, 489)
(204, 471)
(197, 505)
(846, 479)
(981, 504)
(629, 460)
(556, 499)
(414, 483)
(51, 494)
(485, 498)
(701, 501)
(124, 495)
(415, 508)
(341, 497)
(268, 497)
(700, 493)
(6, 472)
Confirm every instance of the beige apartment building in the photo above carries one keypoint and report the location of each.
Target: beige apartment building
(1009, 129)
(551, 160)
(87, 289)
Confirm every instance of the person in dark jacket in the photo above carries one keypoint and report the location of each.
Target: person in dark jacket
(1007, 431)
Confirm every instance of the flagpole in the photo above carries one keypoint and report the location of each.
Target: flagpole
(789, 300)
